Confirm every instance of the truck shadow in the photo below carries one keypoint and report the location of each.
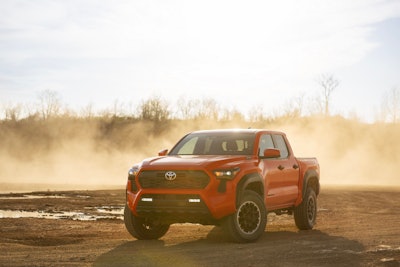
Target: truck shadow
(284, 248)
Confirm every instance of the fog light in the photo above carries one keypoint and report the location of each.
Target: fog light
(194, 200)
(147, 199)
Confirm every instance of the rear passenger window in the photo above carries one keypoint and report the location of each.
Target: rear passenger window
(281, 145)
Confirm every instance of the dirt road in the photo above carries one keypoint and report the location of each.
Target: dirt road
(357, 227)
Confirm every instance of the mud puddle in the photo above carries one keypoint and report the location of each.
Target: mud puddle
(90, 214)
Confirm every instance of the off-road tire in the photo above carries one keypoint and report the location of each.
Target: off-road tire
(305, 214)
(142, 228)
(248, 223)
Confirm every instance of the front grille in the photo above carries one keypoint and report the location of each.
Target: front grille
(183, 180)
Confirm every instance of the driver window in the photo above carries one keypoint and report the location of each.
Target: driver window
(265, 142)
(188, 147)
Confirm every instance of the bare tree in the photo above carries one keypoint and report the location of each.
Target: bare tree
(391, 105)
(87, 111)
(186, 108)
(208, 109)
(328, 84)
(132, 110)
(154, 109)
(231, 114)
(293, 108)
(256, 113)
(13, 111)
(49, 104)
(31, 111)
(118, 108)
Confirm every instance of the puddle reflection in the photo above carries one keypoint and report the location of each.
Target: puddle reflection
(93, 214)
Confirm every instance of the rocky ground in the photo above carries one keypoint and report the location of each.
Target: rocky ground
(355, 227)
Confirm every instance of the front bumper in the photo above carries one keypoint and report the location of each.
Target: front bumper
(205, 206)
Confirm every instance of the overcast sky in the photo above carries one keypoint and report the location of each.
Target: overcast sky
(241, 53)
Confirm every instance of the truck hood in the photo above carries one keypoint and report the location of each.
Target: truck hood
(193, 162)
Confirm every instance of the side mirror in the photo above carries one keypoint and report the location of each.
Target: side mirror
(271, 153)
(163, 152)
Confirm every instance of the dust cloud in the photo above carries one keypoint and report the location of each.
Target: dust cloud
(77, 153)
(349, 152)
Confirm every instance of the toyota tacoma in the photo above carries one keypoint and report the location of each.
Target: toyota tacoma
(231, 178)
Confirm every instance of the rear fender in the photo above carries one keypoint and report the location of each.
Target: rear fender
(311, 178)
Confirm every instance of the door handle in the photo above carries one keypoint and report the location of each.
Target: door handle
(295, 166)
(280, 167)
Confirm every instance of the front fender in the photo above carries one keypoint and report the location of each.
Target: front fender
(252, 182)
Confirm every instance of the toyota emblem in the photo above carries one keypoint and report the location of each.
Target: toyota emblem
(170, 176)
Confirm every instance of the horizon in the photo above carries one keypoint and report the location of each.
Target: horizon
(15, 188)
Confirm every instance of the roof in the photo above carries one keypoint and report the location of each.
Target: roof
(235, 130)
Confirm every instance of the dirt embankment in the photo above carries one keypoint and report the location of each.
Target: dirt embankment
(358, 227)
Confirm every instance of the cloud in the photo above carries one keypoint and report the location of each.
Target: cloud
(203, 46)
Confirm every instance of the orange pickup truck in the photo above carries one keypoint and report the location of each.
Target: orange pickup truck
(231, 178)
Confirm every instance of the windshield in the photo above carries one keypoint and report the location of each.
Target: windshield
(215, 144)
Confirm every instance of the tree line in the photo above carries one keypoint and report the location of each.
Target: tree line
(157, 109)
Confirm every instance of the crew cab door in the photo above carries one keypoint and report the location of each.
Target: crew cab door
(280, 174)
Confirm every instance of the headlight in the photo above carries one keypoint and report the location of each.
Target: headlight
(227, 174)
(132, 173)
